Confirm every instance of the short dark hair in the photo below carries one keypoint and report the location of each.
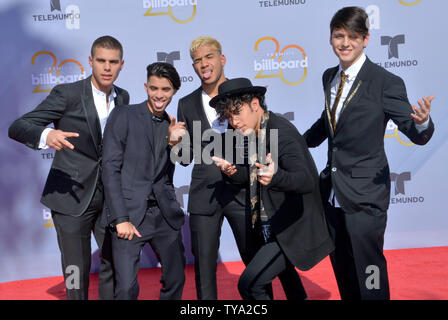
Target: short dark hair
(164, 70)
(234, 103)
(354, 19)
(107, 42)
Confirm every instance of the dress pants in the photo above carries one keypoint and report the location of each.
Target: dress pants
(74, 239)
(358, 261)
(205, 240)
(167, 245)
(268, 263)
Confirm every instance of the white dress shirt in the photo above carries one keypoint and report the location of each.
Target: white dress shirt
(103, 108)
(212, 116)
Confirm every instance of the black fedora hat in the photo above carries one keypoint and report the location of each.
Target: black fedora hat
(234, 87)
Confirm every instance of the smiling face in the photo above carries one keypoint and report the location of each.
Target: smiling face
(348, 46)
(106, 66)
(160, 92)
(209, 65)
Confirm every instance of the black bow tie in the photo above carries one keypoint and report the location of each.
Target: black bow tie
(157, 119)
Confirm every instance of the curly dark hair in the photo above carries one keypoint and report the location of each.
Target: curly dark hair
(232, 104)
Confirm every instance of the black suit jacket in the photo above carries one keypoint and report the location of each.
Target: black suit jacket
(292, 199)
(357, 166)
(74, 173)
(131, 170)
(209, 190)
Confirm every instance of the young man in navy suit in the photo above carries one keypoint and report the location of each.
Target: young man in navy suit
(138, 183)
(360, 99)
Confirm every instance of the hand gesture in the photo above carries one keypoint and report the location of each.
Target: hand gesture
(126, 231)
(56, 139)
(266, 172)
(175, 132)
(421, 114)
(226, 167)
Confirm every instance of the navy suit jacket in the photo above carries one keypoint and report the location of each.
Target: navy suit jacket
(131, 170)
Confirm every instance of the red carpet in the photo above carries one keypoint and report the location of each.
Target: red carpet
(414, 274)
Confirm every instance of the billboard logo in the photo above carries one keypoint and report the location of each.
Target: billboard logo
(67, 71)
(392, 43)
(409, 4)
(47, 218)
(169, 5)
(391, 126)
(399, 180)
(289, 63)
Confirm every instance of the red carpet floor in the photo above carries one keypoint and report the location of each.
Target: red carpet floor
(414, 274)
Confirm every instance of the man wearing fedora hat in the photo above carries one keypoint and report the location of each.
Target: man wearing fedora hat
(211, 197)
(284, 203)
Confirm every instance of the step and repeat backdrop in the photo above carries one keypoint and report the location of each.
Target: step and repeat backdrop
(281, 44)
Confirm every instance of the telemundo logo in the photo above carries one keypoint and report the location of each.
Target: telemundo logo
(399, 180)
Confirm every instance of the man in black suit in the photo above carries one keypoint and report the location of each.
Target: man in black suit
(74, 191)
(211, 197)
(285, 204)
(360, 98)
(138, 183)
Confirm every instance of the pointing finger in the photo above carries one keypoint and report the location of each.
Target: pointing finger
(70, 134)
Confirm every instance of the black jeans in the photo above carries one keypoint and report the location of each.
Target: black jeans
(205, 240)
(268, 263)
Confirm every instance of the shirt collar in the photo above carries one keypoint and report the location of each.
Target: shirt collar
(100, 93)
(353, 70)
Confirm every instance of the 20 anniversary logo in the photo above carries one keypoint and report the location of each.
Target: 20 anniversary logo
(289, 62)
(44, 82)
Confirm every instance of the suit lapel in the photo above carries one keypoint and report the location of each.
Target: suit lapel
(201, 111)
(145, 117)
(161, 160)
(91, 114)
(119, 98)
(327, 91)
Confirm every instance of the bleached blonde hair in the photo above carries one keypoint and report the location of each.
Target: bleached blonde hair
(205, 41)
